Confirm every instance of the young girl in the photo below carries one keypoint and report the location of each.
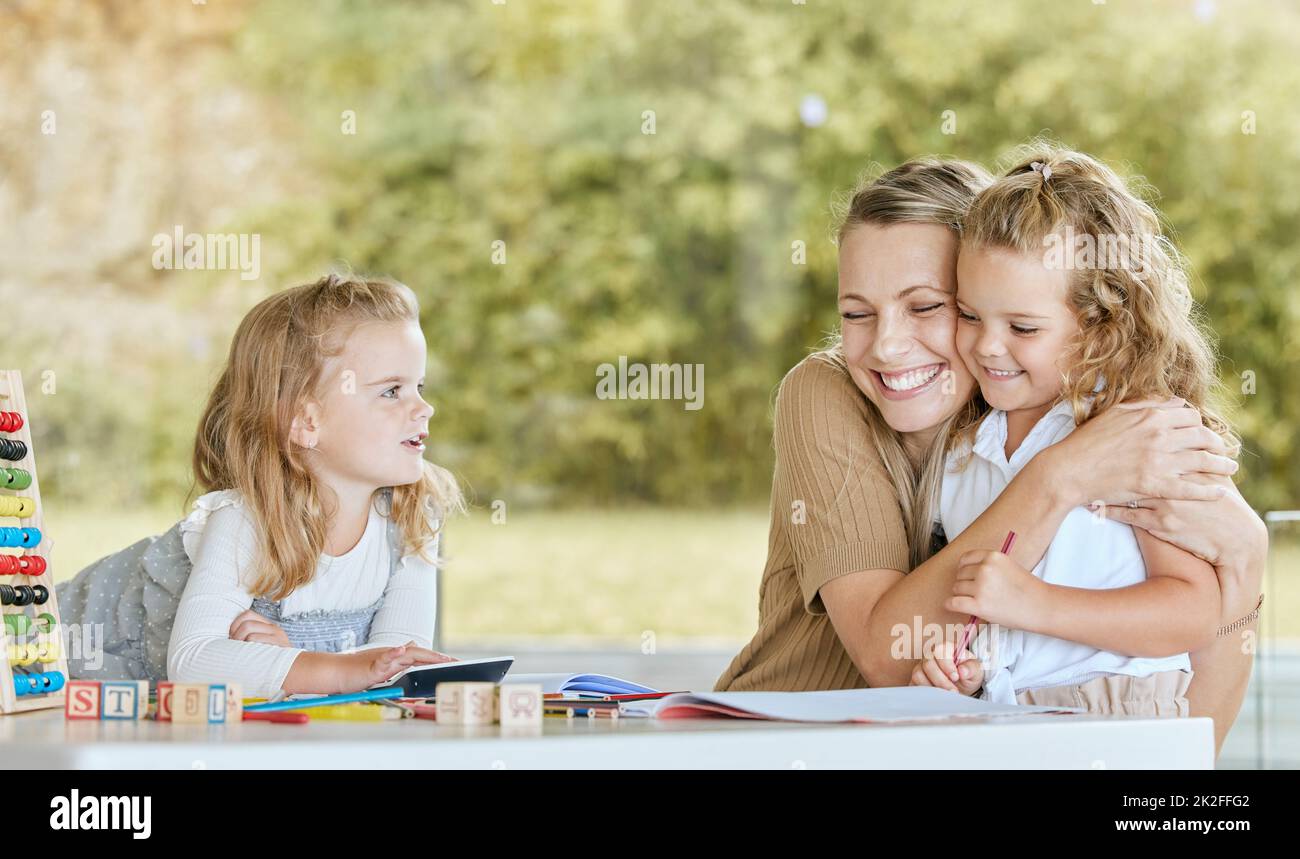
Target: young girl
(1070, 301)
(309, 564)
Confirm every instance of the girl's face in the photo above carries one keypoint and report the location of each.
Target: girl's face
(1014, 326)
(897, 284)
(372, 409)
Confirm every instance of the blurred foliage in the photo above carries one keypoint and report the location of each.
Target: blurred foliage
(523, 123)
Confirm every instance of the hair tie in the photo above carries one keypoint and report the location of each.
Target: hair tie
(1042, 168)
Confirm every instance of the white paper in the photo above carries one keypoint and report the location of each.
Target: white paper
(892, 704)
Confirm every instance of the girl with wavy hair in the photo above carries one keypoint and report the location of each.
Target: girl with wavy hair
(309, 563)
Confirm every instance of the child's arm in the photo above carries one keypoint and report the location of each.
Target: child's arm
(202, 651)
(1175, 610)
(400, 635)
(200, 648)
(333, 673)
(410, 609)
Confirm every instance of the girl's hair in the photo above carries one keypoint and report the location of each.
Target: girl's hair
(1139, 330)
(925, 190)
(277, 364)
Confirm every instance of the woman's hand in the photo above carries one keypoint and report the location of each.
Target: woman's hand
(251, 626)
(379, 664)
(1226, 533)
(1143, 449)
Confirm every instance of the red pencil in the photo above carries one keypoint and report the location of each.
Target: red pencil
(288, 718)
(970, 624)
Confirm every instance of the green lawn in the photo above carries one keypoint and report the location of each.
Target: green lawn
(687, 577)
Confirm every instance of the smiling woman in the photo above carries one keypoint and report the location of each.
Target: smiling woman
(847, 506)
(861, 432)
(897, 342)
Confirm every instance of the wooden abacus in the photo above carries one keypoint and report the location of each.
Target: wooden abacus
(27, 645)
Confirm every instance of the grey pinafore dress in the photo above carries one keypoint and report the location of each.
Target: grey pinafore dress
(118, 612)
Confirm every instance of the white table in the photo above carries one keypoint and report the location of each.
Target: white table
(43, 739)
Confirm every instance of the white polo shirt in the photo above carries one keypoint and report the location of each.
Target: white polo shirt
(1088, 551)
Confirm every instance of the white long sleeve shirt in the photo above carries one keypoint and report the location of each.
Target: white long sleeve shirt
(220, 539)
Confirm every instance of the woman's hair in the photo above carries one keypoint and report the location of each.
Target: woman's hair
(921, 191)
(1139, 331)
(276, 365)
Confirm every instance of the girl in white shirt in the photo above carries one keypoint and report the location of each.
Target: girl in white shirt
(1069, 302)
(309, 564)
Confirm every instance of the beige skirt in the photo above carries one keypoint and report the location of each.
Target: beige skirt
(1161, 694)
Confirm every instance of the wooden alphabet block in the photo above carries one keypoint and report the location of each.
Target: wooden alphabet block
(124, 700)
(234, 704)
(82, 701)
(164, 711)
(450, 698)
(478, 704)
(519, 704)
(190, 703)
(217, 704)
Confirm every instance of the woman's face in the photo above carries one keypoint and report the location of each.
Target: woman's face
(898, 320)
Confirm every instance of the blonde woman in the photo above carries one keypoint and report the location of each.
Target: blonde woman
(308, 563)
(856, 579)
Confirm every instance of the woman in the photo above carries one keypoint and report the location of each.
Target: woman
(860, 433)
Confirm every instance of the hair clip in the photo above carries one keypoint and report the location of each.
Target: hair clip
(1045, 169)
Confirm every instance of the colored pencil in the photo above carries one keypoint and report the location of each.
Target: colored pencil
(970, 624)
(286, 718)
(326, 700)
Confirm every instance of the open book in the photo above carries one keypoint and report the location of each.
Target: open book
(594, 685)
(894, 704)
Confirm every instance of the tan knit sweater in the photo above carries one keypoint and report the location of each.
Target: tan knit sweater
(834, 512)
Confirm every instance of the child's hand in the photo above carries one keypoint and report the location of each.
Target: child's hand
(380, 664)
(251, 626)
(996, 589)
(938, 670)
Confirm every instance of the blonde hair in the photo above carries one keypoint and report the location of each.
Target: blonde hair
(1139, 331)
(276, 364)
(925, 190)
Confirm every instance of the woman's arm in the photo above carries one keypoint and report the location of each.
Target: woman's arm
(1230, 536)
(1143, 449)
(917, 600)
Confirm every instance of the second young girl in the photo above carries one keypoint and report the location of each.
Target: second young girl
(309, 563)
(1070, 301)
